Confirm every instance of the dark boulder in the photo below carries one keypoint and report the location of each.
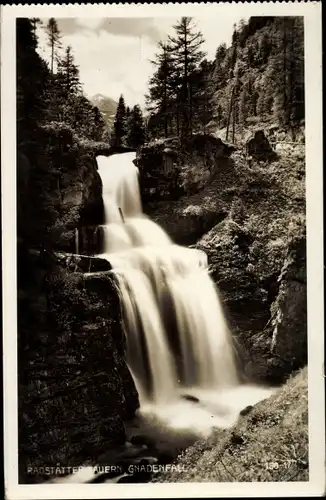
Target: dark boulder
(74, 386)
(246, 410)
(59, 188)
(170, 168)
(140, 440)
(189, 397)
(259, 146)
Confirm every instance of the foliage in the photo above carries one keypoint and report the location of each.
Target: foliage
(261, 75)
(129, 127)
(136, 129)
(275, 431)
(120, 122)
(53, 118)
(178, 91)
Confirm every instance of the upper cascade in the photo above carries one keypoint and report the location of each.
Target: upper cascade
(177, 336)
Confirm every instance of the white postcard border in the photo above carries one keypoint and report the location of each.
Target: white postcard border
(314, 183)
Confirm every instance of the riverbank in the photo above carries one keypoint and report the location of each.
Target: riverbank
(270, 443)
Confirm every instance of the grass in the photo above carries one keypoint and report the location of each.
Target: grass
(268, 444)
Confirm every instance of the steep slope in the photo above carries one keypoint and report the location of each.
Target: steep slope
(248, 216)
(260, 76)
(269, 443)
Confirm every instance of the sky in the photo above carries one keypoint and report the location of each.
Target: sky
(113, 54)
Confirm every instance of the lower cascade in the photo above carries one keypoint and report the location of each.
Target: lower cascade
(179, 347)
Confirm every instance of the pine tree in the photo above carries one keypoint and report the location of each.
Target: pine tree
(68, 73)
(203, 92)
(120, 123)
(32, 83)
(243, 104)
(98, 125)
(136, 132)
(288, 71)
(219, 73)
(185, 46)
(127, 120)
(163, 91)
(35, 21)
(53, 39)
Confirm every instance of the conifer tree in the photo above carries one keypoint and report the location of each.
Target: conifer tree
(68, 73)
(203, 88)
(120, 122)
(163, 87)
(32, 82)
(136, 132)
(53, 40)
(187, 53)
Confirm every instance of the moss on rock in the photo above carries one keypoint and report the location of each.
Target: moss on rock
(269, 443)
(75, 388)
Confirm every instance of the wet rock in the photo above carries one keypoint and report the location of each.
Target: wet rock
(246, 410)
(189, 397)
(165, 458)
(75, 389)
(236, 439)
(258, 145)
(140, 440)
(143, 462)
(171, 168)
(136, 478)
(82, 263)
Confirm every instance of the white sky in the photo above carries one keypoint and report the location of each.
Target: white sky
(113, 54)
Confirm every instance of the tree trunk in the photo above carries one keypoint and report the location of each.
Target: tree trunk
(229, 114)
(52, 56)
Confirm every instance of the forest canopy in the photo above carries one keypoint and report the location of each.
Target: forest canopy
(259, 77)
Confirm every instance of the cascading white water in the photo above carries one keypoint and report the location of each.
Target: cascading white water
(177, 337)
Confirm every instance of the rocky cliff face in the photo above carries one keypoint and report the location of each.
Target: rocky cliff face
(59, 188)
(173, 178)
(75, 389)
(257, 258)
(169, 168)
(249, 218)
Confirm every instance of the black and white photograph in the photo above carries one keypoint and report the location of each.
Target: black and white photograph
(162, 250)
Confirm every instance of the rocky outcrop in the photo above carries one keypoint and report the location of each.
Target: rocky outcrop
(170, 168)
(281, 346)
(289, 310)
(258, 146)
(264, 436)
(211, 177)
(59, 188)
(75, 389)
(257, 258)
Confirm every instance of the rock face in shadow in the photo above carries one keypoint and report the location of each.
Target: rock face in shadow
(268, 429)
(59, 188)
(250, 221)
(258, 145)
(75, 388)
(257, 258)
(170, 168)
(185, 186)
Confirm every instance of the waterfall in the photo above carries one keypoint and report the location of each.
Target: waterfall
(177, 336)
